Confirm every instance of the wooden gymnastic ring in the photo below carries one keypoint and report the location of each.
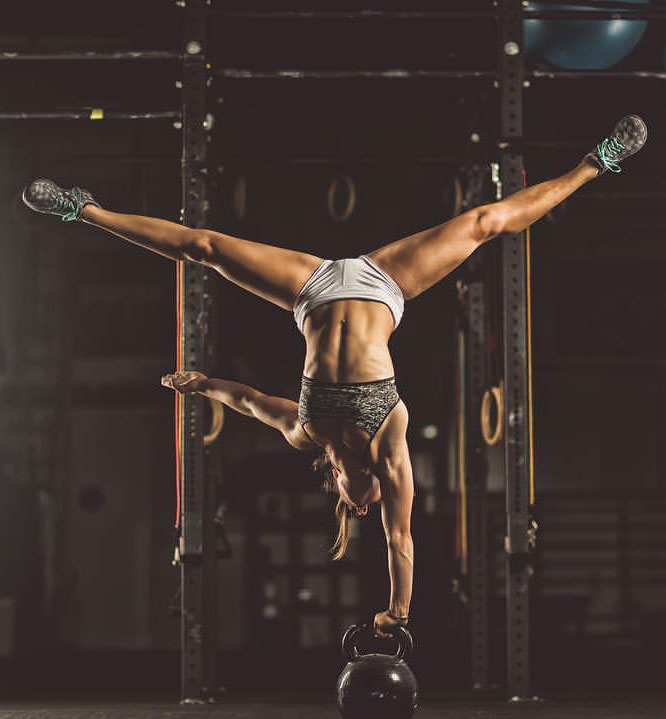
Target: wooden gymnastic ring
(494, 393)
(216, 423)
(351, 200)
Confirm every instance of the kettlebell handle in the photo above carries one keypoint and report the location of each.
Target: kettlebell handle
(400, 634)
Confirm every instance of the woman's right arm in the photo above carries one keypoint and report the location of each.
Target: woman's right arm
(276, 412)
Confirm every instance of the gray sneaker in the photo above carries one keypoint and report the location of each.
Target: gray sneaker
(627, 138)
(45, 196)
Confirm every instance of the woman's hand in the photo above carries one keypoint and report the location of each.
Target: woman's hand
(384, 624)
(185, 382)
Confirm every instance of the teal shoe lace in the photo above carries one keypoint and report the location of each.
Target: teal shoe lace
(68, 206)
(608, 151)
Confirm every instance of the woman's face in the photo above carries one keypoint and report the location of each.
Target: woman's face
(364, 488)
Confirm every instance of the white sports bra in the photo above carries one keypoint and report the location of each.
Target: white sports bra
(349, 279)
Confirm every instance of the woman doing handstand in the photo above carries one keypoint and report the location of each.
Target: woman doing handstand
(347, 309)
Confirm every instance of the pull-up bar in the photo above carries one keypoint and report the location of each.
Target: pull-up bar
(391, 74)
(95, 114)
(404, 74)
(122, 55)
(355, 15)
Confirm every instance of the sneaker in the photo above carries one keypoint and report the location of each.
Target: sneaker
(627, 138)
(45, 196)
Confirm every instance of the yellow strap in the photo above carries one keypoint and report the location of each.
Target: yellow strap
(97, 113)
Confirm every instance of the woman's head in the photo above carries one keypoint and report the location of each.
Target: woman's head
(336, 482)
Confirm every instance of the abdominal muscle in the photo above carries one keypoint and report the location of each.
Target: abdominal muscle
(347, 342)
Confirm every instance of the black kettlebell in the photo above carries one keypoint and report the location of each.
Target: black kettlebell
(377, 685)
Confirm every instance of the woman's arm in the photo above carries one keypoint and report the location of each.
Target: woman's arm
(397, 499)
(394, 469)
(276, 412)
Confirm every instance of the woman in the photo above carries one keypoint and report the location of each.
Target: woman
(346, 309)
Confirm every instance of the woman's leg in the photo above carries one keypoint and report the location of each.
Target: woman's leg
(419, 261)
(271, 272)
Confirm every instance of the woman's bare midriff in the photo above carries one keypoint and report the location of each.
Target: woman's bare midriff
(347, 341)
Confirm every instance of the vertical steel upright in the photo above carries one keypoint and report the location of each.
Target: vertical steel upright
(197, 546)
(477, 472)
(516, 371)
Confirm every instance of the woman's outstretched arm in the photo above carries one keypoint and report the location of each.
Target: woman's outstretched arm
(276, 412)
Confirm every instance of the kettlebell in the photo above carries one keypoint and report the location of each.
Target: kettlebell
(377, 685)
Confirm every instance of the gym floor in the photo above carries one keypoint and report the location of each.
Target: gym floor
(244, 707)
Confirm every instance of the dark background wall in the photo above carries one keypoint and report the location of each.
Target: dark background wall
(87, 328)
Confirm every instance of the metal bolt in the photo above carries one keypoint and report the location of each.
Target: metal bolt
(178, 125)
(209, 121)
(495, 83)
(475, 137)
(180, 3)
(179, 84)
(527, 83)
(512, 48)
(193, 47)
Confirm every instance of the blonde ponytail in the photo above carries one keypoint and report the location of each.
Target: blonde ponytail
(323, 464)
(342, 542)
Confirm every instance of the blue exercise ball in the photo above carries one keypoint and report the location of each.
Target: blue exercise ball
(581, 44)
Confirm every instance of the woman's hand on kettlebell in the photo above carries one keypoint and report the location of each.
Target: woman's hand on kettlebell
(185, 382)
(384, 624)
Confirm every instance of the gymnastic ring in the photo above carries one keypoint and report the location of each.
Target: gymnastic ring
(216, 423)
(494, 393)
(240, 197)
(457, 197)
(351, 200)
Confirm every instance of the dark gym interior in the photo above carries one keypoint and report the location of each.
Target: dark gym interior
(89, 598)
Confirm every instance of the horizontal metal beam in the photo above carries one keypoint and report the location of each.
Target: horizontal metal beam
(603, 10)
(596, 75)
(356, 15)
(92, 55)
(94, 115)
(393, 74)
(554, 13)
(593, 4)
(403, 74)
